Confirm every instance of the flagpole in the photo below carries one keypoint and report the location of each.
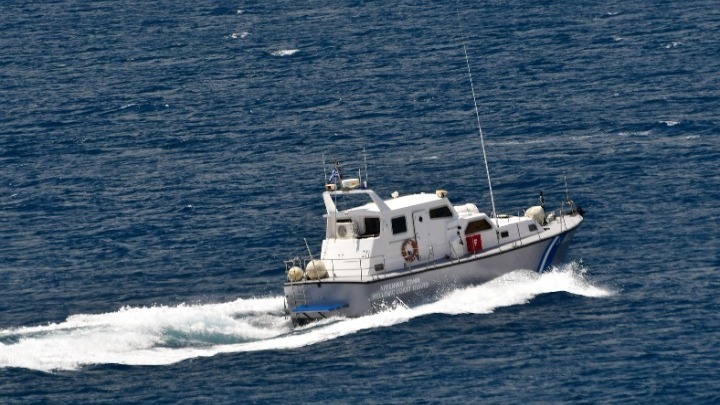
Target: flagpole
(324, 171)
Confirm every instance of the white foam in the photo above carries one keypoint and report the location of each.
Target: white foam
(236, 35)
(139, 335)
(162, 334)
(285, 52)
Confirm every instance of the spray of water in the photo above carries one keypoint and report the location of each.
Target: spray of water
(163, 335)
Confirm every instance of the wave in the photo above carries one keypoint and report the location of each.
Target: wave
(236, 35)
(162, 335)
(285, 52)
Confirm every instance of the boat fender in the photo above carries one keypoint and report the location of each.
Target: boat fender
(316, 270)
(537, 213)
(409, 250)
(295, 274)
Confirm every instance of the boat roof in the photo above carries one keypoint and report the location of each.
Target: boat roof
(410, 200)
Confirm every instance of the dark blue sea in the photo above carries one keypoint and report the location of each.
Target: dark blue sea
(159, 161)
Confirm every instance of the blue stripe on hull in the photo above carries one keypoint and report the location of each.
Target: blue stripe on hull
(549, 254)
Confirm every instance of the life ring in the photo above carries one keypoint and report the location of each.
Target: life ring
(409, 250)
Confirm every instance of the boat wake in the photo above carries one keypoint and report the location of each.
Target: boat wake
(161, 335)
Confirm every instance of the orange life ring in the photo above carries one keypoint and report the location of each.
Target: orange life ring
(409, 250)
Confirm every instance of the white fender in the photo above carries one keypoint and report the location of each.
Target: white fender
(316, 270)
(295, 274)
(537, 213)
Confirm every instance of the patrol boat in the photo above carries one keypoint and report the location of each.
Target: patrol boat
(412, 249)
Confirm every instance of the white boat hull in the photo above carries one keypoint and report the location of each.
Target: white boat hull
(317, 299)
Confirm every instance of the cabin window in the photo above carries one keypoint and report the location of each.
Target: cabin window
(532, 227)
(440, 212)
(372, 227)
(504, 234)
(477, 226)
(399, 225)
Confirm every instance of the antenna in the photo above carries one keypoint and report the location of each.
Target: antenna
(308, 249)
(365, 183)
(477, 116)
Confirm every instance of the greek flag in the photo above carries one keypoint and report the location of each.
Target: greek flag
(335, 174)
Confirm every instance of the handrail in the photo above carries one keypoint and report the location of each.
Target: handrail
(372, 267)
(347, 268)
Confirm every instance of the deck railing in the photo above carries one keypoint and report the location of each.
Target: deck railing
(370, 267)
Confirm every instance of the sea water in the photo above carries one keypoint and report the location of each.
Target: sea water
(160, 161)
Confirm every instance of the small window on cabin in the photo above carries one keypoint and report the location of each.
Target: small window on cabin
(477, 226)
(440, 212)
(399, 225)
(504, 234)
(532, 227)
(372, 227)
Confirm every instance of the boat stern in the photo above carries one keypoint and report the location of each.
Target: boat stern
(304, 314)
(306, 302)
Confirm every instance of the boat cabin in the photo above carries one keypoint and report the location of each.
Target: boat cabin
(382, 236)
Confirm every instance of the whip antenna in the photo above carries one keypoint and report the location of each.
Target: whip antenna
(365, 183)
(477, 116)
